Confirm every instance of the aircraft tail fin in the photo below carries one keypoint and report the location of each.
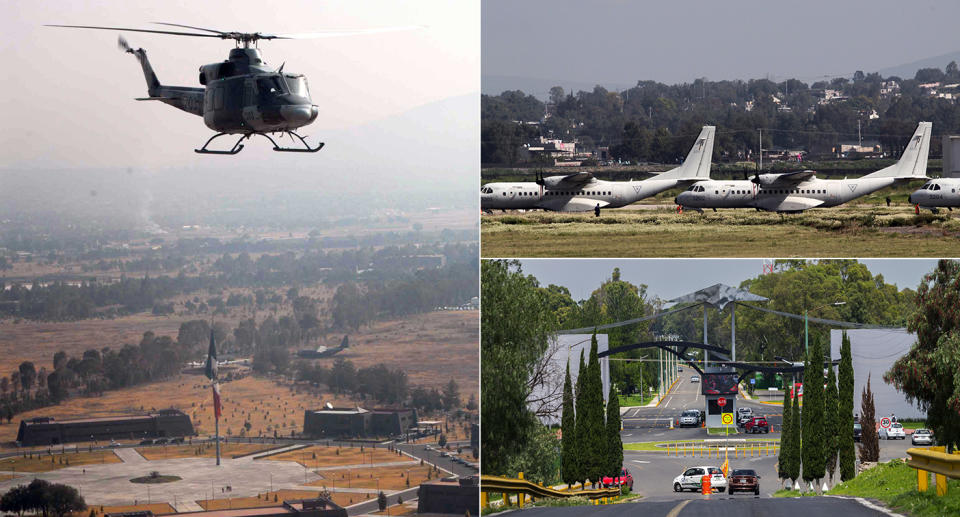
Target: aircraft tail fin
(697, 164)
(913, 162)
(153, 84)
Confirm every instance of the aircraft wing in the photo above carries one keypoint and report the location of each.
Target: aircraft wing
(788, 177)
(574, 180)
(788, 204)
(573, 204)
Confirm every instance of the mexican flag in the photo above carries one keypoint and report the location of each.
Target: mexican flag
(211, 372)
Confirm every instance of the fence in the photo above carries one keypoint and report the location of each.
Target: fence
(936, 460)
(523, 489)
(717, 448)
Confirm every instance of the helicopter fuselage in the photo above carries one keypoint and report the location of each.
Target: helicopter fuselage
(261, 102)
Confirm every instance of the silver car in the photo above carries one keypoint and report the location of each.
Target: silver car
(922, 437)
(690, 417)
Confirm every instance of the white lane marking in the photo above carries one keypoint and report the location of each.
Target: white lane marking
(659, 434)
(869, 505)
(679, 508)
(640, 461)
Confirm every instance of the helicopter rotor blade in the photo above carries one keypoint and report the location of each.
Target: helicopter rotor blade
(189, 27)
(139, 30)
(122, 43)
(339, 33)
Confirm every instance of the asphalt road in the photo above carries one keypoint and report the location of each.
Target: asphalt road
(653, 472)
(717, 506)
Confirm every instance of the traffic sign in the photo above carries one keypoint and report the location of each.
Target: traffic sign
(885, 422)
(721, 402)
(727, 418)
(753, 381)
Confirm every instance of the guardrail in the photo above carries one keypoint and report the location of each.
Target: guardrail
(523, 488)
(936, 460)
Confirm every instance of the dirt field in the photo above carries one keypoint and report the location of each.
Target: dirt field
(206, 450)
(390, 478)
(333, 456)
(46, 462)
(863, 230)
(432, 348)
(276, 498)
(265, 404)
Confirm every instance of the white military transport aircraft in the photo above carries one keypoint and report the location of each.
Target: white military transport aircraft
(938, 192)
(794, 192)
(581, 192)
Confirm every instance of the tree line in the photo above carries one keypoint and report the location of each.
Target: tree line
(655, 122)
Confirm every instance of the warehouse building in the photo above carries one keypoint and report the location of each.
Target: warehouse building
(453, 496)
(332, 422)
(50, 431)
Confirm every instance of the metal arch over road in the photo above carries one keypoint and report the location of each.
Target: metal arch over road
(666, 346)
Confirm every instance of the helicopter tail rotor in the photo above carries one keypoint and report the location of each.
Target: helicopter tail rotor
(123, 45)
(153, 84)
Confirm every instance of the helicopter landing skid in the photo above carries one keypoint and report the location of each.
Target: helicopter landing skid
(237, 147)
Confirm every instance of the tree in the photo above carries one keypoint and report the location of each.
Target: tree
(847, 451)
(382, 501)
(795, 439)
(614, 444)
(595, 450)
(64, 500)
(813, 423)
(556, 94)
(869, 441)
(516, 329)
(927, 374)
(14, 500)
(28, 374)
(580, 424)
(451, 396)
(568, 472)
(783, 460)
(831, 420)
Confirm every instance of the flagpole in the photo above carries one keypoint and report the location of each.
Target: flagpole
(216, 427)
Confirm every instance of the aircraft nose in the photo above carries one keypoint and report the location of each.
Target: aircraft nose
(300, 114)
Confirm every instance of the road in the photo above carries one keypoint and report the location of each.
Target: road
(717, 506)
(653, 472)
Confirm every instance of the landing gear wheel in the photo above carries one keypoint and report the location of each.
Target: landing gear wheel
(677, 487)
(721, 489)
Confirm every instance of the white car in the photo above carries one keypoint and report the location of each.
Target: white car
(690, 417)
(695, 378)
(922, 437)
(895, 432)
(690, 479)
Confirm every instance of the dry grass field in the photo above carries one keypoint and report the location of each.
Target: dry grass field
(432, 348)
(321, 456)
(264, 403)
(37, 462)
(206, 450)
(390, 478)
(156, 508)
(276, 498)
(864, 230)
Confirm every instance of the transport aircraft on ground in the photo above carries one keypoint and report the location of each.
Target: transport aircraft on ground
(938, 192)
(794, 192)
(581, 192)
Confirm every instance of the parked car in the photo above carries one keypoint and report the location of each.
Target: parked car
(694, 378)
(680, 369)
(690, 417)
(744, 480)
(176, 440)
(161, 441)
(113, 443)
(757, 424)
(922, 437)
(744, 414)
(624, 479)
(690, 479)
(894, 433)
(857, 432)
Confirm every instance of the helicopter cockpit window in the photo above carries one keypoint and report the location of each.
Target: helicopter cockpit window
(270, 86)
(297, 85)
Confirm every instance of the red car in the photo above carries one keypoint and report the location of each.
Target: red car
(623, 479)
(757, 424)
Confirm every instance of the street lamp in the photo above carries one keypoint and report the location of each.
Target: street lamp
(806, 332)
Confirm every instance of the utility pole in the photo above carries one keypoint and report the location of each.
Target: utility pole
(761, 152)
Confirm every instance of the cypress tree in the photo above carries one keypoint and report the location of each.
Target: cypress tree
(568, 465)
(869, 441)
(783, 461)
(813, 423)
(593, 434)
(795, 439)
(831, 419)
(614, 444)
(580, 425)
(847, 453)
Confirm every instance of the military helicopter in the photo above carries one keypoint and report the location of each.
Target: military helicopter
(242, 95)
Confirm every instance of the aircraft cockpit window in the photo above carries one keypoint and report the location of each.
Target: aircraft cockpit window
(936, 186)
(297, 84)
(270, 85)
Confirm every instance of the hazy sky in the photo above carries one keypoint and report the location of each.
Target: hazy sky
(68, 94)
(670, 278)
(621, 41)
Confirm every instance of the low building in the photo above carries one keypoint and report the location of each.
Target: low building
(332, 422)
(454, 496)
(49, 431)
(318, 507)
